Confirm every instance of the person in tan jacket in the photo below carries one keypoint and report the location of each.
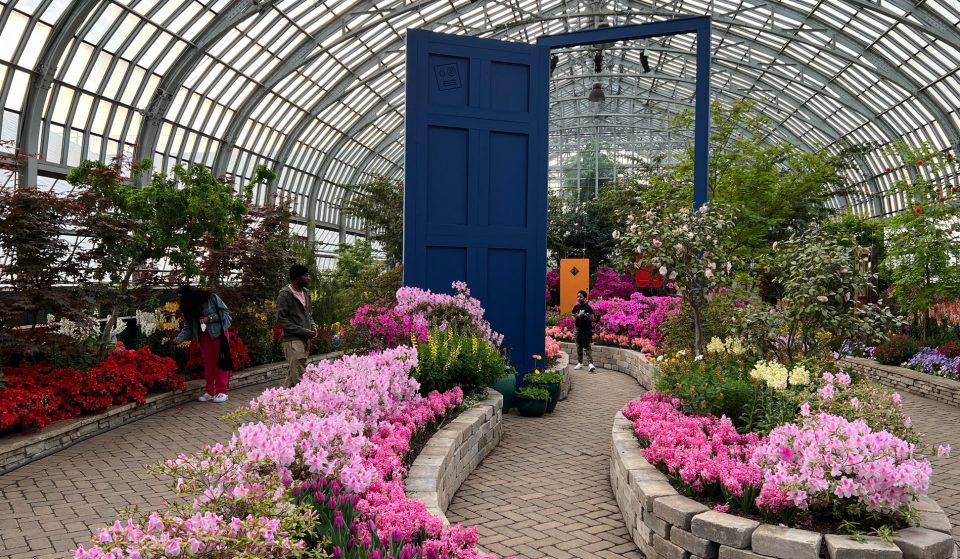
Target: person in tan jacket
(293, 315)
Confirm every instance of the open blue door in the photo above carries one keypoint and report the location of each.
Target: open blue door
(475, 198)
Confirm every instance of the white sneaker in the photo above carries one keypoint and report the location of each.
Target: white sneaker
(591, 368)
(220, 398)
(205, 398)
(579, 366)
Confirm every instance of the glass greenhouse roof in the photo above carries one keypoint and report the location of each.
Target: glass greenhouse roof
(315, 89)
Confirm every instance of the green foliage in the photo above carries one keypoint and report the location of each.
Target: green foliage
(923, 255)
(379, 203)
(579, 230)
(818, 278)
(174, 217)
(719, 385)
(546, 377)
(358, 278)
(532, 392)
(777, 188)
(717, 314)
(447, 359)
(580, 179)
(896, 350)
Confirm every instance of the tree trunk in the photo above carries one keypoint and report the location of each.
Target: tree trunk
(697, 331)
(114, 304)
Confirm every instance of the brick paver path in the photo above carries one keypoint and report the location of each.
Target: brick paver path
(940, 424)
(545, 490)
(49, 506)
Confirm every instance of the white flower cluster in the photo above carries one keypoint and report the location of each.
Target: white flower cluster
(149, 322)
(75, 330)
(730, 345)
(777, 376)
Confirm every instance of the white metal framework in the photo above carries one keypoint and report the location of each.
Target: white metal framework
(315, 89)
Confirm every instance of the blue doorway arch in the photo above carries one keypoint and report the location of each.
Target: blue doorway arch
(475, 183)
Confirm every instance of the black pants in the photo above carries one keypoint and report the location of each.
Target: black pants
(584, 347)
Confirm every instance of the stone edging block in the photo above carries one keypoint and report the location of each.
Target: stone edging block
(23, 448)
(664, 524)
(453, 452)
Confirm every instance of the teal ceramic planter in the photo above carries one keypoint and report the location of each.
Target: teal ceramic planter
(554, 389)
(507, 385)
(530, 408)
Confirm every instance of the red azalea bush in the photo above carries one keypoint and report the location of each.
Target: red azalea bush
(950, 349)
(896, 350)
(37, 394)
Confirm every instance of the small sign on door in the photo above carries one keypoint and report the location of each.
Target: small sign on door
(448, 76)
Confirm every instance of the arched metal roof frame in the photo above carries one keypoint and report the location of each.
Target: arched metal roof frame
(838, 112)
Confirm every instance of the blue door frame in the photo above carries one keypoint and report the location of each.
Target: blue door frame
(475, 191)
(702, 27)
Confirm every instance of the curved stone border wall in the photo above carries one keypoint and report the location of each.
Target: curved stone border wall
(563, 362)
(929, 386)
(453, 452)
(667, 525)
(20, 449)
(626, 361)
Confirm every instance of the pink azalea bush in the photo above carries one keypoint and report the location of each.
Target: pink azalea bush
(823, 464)
(320, 465)
(551, 348)
(633, 323)
(377, 327)
(701, 453)
(830, 463)
(610, 284)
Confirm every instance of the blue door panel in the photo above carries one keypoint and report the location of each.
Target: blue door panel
(475, 185)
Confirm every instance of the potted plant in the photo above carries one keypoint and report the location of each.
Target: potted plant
(507, 384)
(549, 380)
(531, 401)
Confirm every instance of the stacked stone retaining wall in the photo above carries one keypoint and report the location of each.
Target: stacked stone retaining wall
(900, 378)
(625, 361)
(453, 452)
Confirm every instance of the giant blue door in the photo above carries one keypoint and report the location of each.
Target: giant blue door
(476, 178)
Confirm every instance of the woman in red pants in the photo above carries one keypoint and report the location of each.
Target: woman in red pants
(206, 318)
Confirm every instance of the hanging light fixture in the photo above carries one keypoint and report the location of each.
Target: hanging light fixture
(598, 62)
(554, 61)
(596, 94)
(645, 62)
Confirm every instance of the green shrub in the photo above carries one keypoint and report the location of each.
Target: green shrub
(896, 350)
(716, 384)
(447, 359)
(546, 377)
(533, 393)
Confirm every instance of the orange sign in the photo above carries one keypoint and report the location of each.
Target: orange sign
(574, 276)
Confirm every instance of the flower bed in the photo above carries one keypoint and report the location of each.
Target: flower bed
(900, 378)
(20, 449)
(319, 467)
(664, 523)
(37, 394)
(629, 323)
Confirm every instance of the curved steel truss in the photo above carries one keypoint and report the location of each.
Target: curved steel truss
(315, 89)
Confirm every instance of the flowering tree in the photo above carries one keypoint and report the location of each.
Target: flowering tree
(923, 251)
(685, 248)
(819, 278)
